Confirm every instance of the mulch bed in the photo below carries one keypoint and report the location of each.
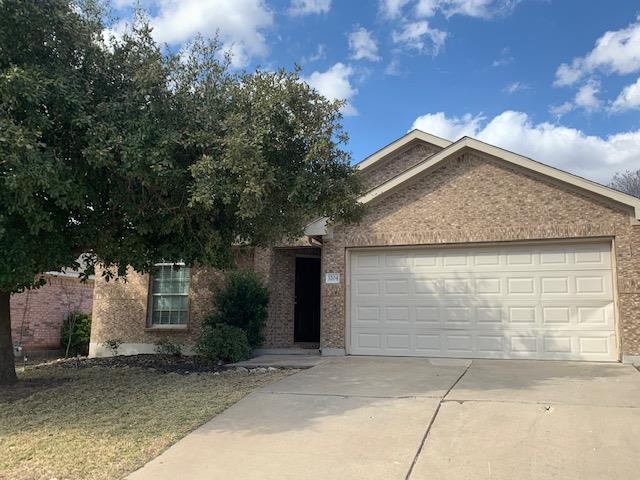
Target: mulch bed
(162, 363)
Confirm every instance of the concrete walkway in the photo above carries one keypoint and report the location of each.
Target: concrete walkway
(412, 418)
(283, 361)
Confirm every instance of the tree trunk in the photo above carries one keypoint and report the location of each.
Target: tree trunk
(7, 362)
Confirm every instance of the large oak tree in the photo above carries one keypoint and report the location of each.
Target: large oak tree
(124, 151)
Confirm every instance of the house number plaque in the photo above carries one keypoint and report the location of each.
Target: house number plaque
(332, 278)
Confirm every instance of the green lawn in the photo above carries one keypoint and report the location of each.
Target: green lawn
(102, 423)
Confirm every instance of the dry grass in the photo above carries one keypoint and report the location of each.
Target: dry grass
(102, 423)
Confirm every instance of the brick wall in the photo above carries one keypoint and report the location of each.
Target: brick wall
(476, 198)
(120, 309)
(37, 315)
(397, 163)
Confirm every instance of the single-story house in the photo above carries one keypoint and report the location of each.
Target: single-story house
(466, 250)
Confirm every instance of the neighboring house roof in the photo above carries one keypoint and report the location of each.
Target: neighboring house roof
(70, 272)
(319, 227)
(414, 136)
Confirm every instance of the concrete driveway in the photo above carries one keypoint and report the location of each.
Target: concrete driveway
(415, 418)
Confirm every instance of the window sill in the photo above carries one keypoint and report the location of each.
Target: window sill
(168, 328)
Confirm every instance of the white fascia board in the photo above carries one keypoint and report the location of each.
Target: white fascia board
(399, 143)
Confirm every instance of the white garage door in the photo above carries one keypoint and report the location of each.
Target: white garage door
(546, 301)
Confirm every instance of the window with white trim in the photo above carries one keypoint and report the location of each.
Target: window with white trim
(169, 295)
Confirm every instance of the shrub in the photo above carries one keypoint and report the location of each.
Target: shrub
(242, 301)
(223, 342)
(75, 333)
(167, 347)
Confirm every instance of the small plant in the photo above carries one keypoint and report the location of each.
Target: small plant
(167, 347)
(113, 344)
(75, 333)
(242, 301)
(223, 342)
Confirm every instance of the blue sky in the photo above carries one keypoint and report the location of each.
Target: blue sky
(557, 80)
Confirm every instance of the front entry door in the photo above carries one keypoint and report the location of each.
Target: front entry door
(306, 326)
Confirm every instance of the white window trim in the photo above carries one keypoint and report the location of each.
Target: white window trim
(164, 326)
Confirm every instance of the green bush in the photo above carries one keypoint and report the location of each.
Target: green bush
(167, 347)
(223, 342)
(242, 300)
(75, 333)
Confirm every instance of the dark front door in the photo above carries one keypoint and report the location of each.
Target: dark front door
(306, 327)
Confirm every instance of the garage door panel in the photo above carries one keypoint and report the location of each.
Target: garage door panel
(420, 302)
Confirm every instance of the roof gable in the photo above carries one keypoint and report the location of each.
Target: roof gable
(394, 147)
(468, 143)
(471, 144)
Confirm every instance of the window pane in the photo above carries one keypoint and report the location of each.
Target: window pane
(169, 290)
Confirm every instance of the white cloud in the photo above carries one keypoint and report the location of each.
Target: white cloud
(320, 53)
(420, 36)
(505, 58)
(416, 33)
(562, 109)
(308, 7)
(470, 8)
(587, 96)
(240, 23)
(452, 128)
(567, 148)
(428, 8)
(335, 84)
(117, 4)
(363, 46)
(393, 68)
(614, 52)
(501, 62)
(628, 99)
(392, 8)
(516, 87)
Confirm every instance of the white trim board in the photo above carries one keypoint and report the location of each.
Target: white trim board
(401, 142)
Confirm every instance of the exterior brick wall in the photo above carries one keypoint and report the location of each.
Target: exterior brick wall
(120, 309)
(477, 198)
(37, 315)
(397, 163)
(472, 198)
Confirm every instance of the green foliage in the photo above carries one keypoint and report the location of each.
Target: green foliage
(75, 334)
(112, 344)
(119, 148)
(242, 300)
(167, 347)
(223, 342)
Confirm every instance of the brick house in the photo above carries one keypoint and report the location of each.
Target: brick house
(466, 250)
(37, 315)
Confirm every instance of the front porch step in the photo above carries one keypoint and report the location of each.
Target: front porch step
(287, 351)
